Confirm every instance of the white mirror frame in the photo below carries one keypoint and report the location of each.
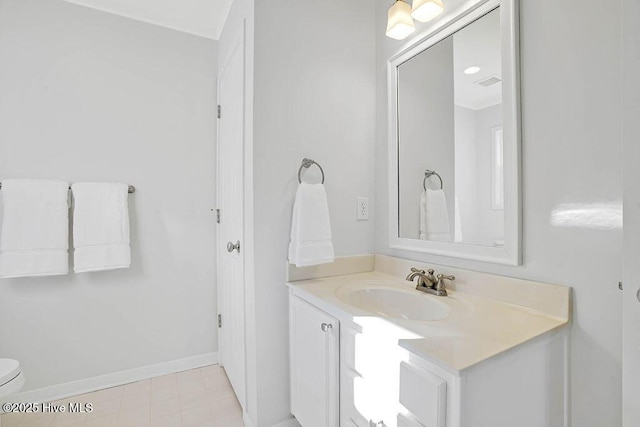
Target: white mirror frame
(511, 252)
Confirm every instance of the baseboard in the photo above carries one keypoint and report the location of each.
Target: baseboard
(87, 385)
(248, 422)
(291, 422)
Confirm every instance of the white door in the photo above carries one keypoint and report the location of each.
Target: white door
(314, 365)
(230, 229)
(631, 156)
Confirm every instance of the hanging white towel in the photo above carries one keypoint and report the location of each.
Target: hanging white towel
(310, 242)
(35, 228)
(100, 226)
(434, 216)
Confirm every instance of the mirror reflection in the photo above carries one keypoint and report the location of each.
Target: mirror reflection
(450, 150)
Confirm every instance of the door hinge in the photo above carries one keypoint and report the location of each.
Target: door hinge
(219, 320)
(218, 216)
(219, 111)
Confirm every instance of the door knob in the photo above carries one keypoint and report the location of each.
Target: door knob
(233, 247)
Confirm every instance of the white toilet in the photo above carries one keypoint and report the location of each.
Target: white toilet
(11, 379)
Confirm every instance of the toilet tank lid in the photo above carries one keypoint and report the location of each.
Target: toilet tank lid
(9, 369)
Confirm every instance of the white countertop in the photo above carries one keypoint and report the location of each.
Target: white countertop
(475, 330)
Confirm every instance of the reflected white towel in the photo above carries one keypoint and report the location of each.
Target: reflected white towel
(434, 216)
(310, 242)
(35, 228)
(100, 226)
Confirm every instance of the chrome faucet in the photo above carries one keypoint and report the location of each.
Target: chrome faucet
(429, 283)
(424, 278)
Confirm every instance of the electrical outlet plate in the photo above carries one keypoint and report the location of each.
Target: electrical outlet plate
(363, 209)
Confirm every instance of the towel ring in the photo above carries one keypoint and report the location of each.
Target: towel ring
(306, 163)
(428, 174)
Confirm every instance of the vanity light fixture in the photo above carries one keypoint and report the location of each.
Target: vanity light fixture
(471, 70)
(426, 10)
(399, 21)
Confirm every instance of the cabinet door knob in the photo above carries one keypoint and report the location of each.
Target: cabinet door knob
(326, 326)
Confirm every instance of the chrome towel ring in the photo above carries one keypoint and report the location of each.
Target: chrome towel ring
(428, 174)
(306, 163)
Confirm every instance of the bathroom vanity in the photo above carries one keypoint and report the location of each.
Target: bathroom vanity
(368, 349)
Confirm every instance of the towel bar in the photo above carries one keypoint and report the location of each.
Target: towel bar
(132, 189)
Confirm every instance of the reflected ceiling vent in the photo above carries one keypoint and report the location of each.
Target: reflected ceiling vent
(489, 81)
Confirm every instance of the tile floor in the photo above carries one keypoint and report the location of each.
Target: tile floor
(196, 398)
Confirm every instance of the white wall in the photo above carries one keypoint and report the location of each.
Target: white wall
(571, 155)
(466, 166)
(492, 221)
(480, 224)
(426, 129)
(86, 95)
(314, 97)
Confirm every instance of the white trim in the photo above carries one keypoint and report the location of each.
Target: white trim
(246, 418)
(87, 385)
(340, 267)
(210, 33)
(291, 422)
(511, 253)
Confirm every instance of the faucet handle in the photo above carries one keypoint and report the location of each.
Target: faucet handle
(417, 270)
(441, 287)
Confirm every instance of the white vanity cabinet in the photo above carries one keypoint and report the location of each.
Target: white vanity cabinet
(364, 371)
(314, 346)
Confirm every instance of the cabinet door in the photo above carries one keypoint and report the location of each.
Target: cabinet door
(423, 394)
(314, 365)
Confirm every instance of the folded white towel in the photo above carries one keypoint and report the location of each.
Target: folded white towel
(434, 216)
(100, 226)
(310, 227)
(35, 228)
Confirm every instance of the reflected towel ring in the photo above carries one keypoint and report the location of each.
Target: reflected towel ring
(306, 163)
(428, 174)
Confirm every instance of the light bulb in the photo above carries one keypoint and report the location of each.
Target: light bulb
(471, 70)
(426, 10)
(399, 22)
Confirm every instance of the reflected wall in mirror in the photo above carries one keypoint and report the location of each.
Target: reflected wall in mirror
(450, 109)
(454, 138)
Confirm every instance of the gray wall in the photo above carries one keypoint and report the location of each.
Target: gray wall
(572, 154)
(85, 95)
(426, 129)
(314, 97)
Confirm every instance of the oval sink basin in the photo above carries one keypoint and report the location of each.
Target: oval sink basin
(397, 303)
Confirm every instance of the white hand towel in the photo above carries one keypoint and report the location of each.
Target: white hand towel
(35, 228)
(100, 226)
(434, 217)
(310, 227)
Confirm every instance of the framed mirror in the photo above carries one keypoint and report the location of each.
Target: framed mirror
(454, 138)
